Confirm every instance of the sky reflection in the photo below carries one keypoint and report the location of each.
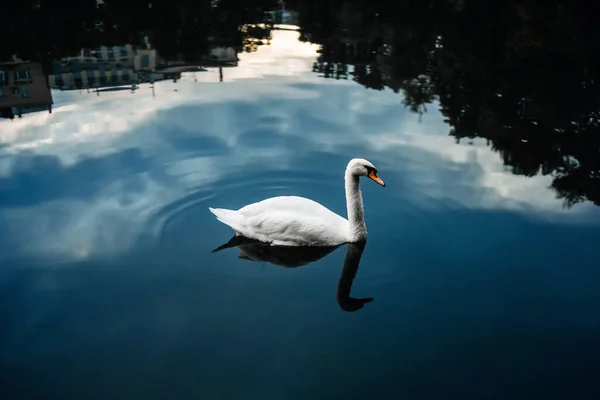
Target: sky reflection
(87, 179)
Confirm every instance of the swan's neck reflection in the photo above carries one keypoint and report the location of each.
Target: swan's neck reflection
(353, 254)
(296, 256)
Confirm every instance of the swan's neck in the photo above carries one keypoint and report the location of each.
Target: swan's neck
(356, 213)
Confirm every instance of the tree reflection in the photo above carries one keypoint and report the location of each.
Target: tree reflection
(522, 76)
(297, 256)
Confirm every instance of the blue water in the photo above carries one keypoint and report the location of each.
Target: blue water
(483, 285)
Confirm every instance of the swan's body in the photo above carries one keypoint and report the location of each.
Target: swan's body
(287, 220)
(298, 221)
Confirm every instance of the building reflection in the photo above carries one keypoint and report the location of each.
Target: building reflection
(23, 89)
(102, 67)
(26, 88)
(126, 66)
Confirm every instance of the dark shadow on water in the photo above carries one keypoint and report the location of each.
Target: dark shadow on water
(297, 256)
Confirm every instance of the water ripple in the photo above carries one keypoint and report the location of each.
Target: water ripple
(390, 225)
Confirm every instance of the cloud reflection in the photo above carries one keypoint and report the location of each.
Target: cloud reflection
(86, 179)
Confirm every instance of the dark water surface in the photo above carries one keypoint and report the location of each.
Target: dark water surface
(483, 284)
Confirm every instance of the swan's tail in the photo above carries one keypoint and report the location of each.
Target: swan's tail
(230, 218)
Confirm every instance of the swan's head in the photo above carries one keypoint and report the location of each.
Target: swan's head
(362, 167)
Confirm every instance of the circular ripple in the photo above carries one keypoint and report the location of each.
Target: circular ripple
(392, 217)
(234, 191)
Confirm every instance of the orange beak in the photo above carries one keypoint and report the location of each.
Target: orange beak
(373, 175)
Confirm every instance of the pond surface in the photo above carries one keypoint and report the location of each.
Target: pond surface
(482, 283)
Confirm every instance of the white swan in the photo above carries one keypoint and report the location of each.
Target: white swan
(298, 221)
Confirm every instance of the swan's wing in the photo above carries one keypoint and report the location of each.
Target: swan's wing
(293, 220)
(289, 227)
(282, 203)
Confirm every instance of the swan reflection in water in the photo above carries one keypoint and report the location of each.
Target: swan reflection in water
(297, 256)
